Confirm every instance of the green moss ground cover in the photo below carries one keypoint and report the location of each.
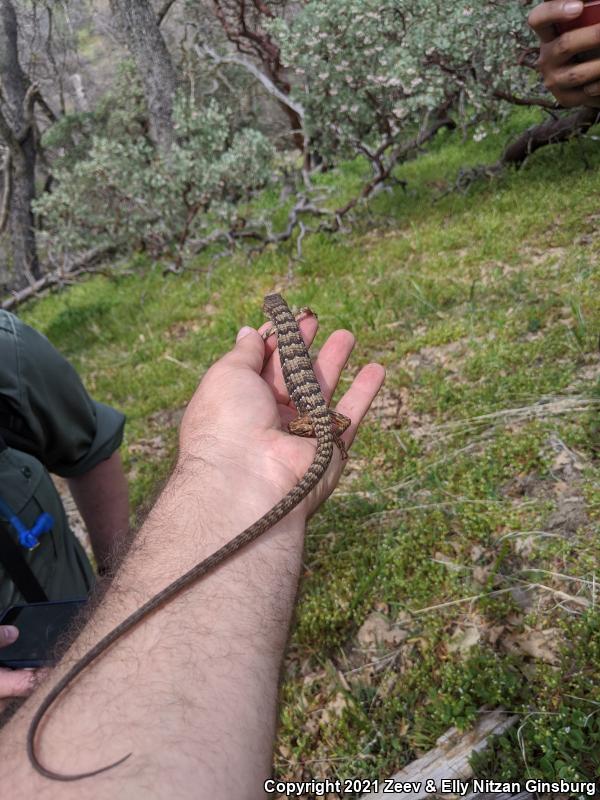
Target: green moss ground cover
(455, 567)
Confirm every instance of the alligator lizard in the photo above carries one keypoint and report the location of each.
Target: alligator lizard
(315, 419)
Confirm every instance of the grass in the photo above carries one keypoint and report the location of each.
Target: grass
(463, 528)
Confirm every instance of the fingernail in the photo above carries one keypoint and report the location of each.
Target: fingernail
(592, 89)
(243, 332)
(573, 7)
(8, 634)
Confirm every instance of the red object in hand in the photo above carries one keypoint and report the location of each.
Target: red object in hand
(589, 16)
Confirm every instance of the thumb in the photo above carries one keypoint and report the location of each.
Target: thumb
(16, 682)
(8, 635)
(243, 332)
(249, 350)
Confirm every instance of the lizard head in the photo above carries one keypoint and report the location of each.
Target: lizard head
(272, 301)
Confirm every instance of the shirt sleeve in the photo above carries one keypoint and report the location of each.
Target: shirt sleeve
(70, 433)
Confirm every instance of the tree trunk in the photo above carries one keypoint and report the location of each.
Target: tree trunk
(153, 63)
(16, 130)
(20, 216)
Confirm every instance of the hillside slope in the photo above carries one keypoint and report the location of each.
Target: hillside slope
(455, 566)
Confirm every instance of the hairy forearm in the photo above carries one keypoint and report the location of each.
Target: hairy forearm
(199, 676)
(102, 498)
(191, 691)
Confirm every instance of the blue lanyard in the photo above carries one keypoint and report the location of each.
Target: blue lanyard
(28, 537)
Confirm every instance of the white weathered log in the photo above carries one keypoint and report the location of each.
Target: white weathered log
(449, 759)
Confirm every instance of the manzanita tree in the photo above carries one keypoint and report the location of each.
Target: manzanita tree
(373, 77)
(370, 72)
(245, 25)
(125, 194)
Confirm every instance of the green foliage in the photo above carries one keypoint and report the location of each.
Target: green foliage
(369, 72)
(370, 75)
(120, 115)
(483, 679)
(113, 188)
(560, 730)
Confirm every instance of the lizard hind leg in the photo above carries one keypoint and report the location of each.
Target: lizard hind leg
(303, 426)
(339, 423)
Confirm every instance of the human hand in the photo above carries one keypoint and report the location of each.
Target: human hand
(236, 422)
(571, 83)
(14, 682)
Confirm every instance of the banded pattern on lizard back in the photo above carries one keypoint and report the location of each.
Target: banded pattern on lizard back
(315, 420)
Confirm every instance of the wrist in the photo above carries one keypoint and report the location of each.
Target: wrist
(205, 505)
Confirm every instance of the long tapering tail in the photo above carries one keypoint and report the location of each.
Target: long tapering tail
(295, 496)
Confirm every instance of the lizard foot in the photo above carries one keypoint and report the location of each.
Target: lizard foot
(303, 426)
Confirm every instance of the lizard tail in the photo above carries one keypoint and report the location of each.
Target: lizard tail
(295, 496)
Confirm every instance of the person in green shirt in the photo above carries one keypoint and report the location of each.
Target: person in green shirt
(49, 424)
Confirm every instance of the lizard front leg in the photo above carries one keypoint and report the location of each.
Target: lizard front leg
(300, 315)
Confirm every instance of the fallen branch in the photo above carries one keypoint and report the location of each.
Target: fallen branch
(239, 230)
(60, 276)
(450, 758)
(552, 131)
(555, 130)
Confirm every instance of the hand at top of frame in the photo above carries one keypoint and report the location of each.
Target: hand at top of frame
(571, 83)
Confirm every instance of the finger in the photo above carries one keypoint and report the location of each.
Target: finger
(331, 360)
(272, 371)
(591, 91)
(248, 351)
(576, 75)
(357, 400)
(544, 17)
(582, 98)
(571, 98)
(16, 682)
(8, 635)
(570, 44)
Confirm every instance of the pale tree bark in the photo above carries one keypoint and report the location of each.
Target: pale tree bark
(243, 25)
(153, 62)
(17, 132)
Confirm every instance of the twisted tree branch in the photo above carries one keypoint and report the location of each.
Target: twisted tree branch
(164, 10)
(249, 66)
(542, 102)
(6, 187)
(60, 277)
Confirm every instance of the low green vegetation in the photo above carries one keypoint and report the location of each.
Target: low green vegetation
(454, 568)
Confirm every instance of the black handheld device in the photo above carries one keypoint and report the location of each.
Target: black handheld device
(40, 625)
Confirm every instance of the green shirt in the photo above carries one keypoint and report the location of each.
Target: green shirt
(58, 428)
